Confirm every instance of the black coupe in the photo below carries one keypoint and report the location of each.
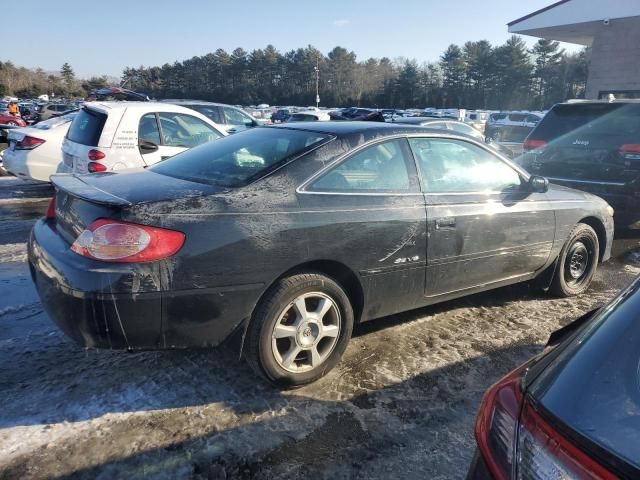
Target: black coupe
(294, 233)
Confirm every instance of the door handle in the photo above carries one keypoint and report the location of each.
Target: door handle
(445, 222)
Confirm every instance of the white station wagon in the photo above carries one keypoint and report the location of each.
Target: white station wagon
(107, 136)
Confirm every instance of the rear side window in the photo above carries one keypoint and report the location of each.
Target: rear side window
(236, 160)
(87, 127)
(517, 117)
(384, 167)
(180, 130)
(148, 129)
(610, 119)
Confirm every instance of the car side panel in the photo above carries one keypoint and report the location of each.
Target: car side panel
(382, 238)
(476, 240)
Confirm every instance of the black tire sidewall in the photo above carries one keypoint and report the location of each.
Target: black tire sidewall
(268, 312)
(561, 288)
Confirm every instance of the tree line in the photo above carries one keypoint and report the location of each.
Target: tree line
(476, 75)
(28, 83)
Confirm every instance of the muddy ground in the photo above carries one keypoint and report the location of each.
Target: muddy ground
(401, 404)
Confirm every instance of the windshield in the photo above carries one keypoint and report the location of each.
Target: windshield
(236, 160)
(594, 386)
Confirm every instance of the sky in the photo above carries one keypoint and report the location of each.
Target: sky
(105, 37)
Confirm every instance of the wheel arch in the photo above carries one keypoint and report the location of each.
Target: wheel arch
(341, 274)
(601, 233)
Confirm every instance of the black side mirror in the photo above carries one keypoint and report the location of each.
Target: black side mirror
(538, 184)
(147, 147)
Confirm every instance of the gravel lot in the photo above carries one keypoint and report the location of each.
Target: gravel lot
(400, 405)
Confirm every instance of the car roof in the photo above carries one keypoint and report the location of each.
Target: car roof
(340, 128)
(142, 106)
(180, 101)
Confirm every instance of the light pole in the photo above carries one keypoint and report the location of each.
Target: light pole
(317, 70)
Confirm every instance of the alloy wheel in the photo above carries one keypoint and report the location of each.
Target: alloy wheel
(306, 332)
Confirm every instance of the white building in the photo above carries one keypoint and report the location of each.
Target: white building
(610, 27)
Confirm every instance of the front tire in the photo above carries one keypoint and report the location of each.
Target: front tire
(299, 330)
(577, 262)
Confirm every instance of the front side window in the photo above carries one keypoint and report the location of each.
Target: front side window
(148, 129)
(383, 167)
(181, 130)
(236, 117)
(452, 166)
(212, 112)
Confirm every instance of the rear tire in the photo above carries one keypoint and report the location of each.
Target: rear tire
(299, 330)
(577, 262)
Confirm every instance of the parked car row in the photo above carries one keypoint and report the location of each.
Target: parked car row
(511, 126)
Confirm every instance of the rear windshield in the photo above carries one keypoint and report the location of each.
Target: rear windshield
(617, 119)
(594, 386)
(238, 159)
(86, 128)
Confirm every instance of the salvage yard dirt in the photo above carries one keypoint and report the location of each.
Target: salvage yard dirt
(401, 404)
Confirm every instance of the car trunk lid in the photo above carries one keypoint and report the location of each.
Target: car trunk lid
(82, 199)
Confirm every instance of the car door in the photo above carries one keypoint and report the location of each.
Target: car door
(484, 226)
(236, 121)
(162, 135)
(367, 212)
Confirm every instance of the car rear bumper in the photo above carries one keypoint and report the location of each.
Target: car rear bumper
(18, 163)
(129, 306)
(478, 469)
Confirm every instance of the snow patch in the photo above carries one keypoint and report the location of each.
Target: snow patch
(13, 252)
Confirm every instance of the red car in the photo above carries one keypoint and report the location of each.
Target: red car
(6, 119)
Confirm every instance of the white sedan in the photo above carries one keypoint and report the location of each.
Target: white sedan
(35, 153)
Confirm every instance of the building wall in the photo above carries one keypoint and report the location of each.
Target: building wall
(615, 58)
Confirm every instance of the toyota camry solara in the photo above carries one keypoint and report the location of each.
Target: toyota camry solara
(291, 235)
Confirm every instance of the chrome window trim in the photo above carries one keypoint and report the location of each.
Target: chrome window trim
(445, 134)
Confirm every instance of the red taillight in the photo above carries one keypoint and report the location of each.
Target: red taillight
(516, 442)
(96, 155)
(544, 453)
(531, 144)
(95, 167)
(630, 151)
(497, 423)
(29, 143)
(51, 209)
(114, 241)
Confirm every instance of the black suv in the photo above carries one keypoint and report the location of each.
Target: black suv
(593, 146)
